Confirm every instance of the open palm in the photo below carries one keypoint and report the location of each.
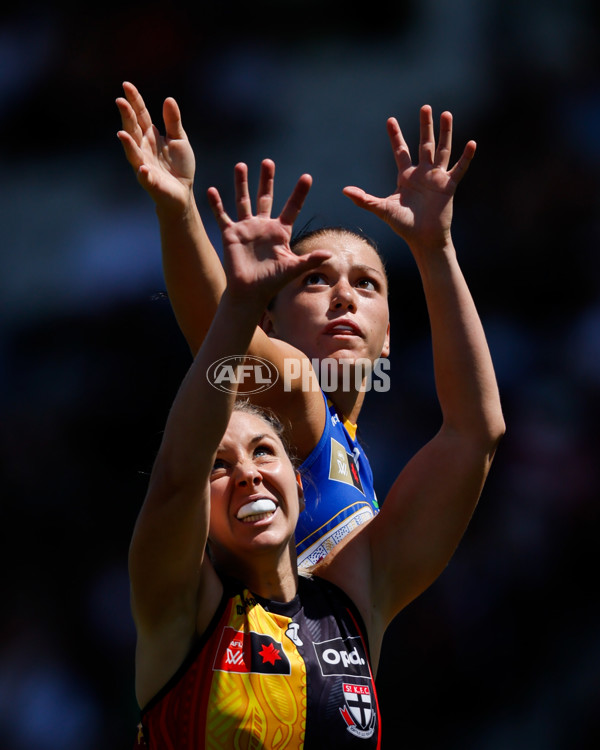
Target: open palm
(257, 254)
(164, 164)
(420, 209)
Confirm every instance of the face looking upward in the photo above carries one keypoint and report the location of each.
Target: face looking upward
(339, 309)
(255, 495)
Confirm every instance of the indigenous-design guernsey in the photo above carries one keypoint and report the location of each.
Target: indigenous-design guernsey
(271, 675)
(338, 489)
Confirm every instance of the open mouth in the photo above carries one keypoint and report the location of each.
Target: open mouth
(257, 510)
(343, 328)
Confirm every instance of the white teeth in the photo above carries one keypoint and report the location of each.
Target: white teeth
(254, 519)
(256, 507)
(344, 328)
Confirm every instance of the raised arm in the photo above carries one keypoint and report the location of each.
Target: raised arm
(174, 588)
(193, 272)
(429, 506)
(165, 166)
(420, 211)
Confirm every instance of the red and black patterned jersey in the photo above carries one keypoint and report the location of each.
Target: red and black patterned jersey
(271, 675)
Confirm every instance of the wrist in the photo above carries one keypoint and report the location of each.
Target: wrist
(425, 249)
(243, 304)
(174, 209)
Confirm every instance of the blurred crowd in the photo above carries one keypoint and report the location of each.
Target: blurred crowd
(503, 651)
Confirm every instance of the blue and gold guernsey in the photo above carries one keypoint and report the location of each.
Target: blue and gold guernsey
(271, 675)
(338, 490)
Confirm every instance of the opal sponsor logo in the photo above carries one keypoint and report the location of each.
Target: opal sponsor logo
(342, 657)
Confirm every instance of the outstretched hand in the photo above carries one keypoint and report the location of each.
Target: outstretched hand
(164, 164)
(420, 209)
(257, 256)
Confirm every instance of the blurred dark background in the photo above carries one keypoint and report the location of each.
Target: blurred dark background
(503, 651)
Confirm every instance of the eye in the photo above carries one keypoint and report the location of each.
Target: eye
(314, 279)
(368, 284)
(263, 450)
(219, 465)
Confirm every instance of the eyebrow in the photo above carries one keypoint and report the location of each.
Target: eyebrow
(371, 269)
(361, 268)
(258, 438)
(253, 441)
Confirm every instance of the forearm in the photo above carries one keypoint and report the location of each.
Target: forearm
(193, 272)
(431, 502)
(200, 412)
(172, 527)
(464, 374)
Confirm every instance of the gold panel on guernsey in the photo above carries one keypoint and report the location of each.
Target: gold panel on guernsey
(343, 467)
(258, 691)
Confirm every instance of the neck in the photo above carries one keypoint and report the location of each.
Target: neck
(347, 403)
(278, 586)
(269, 578)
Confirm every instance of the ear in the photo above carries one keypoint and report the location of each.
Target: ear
(266, 323)
(385, 351)
(301, 502)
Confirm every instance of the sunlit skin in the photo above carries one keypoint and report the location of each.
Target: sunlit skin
(419, 210)
(251, 464)
(332, 303)
(340, 309)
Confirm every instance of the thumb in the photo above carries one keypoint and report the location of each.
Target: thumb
(357, 195)
(172, 118)
(301, 263)
(362, 199)
(314, 259)
(145, 178)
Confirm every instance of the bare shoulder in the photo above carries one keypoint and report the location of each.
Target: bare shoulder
(162, 649)
(348, 567)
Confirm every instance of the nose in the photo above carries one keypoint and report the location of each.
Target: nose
(343, 296)
(247, 475)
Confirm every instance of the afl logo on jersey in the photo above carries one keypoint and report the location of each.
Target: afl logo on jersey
(250, 652)
(343, 466)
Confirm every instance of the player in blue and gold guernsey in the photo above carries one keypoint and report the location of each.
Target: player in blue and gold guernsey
(338, 488)
(235, 648)
(339, 312)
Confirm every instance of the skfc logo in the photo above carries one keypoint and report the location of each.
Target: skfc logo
(243, 375)
(359, 713)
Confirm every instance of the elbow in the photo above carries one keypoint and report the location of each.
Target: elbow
(497, 426)
(482, 435)
(491, 423)
(494, 432)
